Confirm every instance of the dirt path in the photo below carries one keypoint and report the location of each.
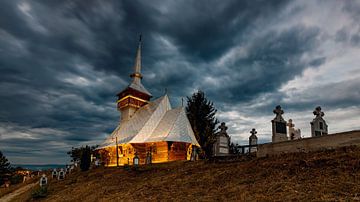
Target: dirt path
(12, 195)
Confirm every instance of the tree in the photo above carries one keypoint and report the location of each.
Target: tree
(82, 154)
(201, 114)
(85, 159)
(5, 168)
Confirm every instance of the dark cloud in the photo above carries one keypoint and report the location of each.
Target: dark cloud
(62, 62)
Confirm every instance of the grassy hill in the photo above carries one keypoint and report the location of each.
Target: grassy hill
(327, 175)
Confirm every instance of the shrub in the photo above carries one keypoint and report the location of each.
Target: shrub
(40, 192)
(15, 179)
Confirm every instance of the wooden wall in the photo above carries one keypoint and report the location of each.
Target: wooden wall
(160, 152)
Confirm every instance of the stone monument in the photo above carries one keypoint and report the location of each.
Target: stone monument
(43, 180)
(221, 146)
(279, 133)
(253, 141)
(318, 124)
(61, 174)
(294, 133)
(54, 173)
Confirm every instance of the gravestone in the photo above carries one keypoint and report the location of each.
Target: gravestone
(221, 146)
(67, 169)
(54, 174)
(318, 124)
(193, 156)
(148, 159)
(279, 133)
(43, 180)
(61, 174)
(294, 133)
(253, 141)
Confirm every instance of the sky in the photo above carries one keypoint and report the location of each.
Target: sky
(63, 62)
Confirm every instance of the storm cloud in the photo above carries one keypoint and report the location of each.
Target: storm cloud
(63, 62)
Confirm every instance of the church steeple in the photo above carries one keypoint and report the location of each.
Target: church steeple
(137, 66)
(135, 95)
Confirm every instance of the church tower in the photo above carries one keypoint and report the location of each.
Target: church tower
(134, 95)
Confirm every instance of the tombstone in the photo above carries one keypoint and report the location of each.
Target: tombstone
(148, 159)
(54, 174)
(279, 133)
(193, 154)
(221, 146)
(253, 141)
(97, 163)
(61, 174)
(318, 124)
(294, 133)
(43, 180)
(7, 183)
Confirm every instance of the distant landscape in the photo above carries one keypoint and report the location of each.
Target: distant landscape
(38, 167)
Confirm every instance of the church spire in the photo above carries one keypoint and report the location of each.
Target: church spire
(137, 66)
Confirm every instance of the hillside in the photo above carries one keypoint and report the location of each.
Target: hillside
(327, 175)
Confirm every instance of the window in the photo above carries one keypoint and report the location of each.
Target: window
(321, 125)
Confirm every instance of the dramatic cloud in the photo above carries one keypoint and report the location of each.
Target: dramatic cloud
(62, 63)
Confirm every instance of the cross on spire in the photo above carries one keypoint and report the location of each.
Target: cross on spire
(137, 66)
(317, 112)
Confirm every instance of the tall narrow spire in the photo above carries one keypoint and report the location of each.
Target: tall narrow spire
(137, 66)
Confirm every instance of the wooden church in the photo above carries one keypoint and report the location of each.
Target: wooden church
(150, 130)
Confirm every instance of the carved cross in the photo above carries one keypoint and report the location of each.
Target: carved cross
(290, 124)
(318, 113)
(278, 110)
(253, 131)
(223, 128)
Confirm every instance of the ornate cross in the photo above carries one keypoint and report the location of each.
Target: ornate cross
(278, 110)
(290, 124)
(318, 113)
(223, 128)
(253, 131)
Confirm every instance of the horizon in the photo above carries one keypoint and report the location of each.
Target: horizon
(62, 64)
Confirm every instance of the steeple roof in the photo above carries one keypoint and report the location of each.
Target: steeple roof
(136, 83)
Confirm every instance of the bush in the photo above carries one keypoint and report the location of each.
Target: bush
(40, 192)
(16, 179)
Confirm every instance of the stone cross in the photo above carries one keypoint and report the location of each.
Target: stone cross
(278, 110)
(43, 180)
(253, 131)
(318, 113)
(223, 128)
(290, 124)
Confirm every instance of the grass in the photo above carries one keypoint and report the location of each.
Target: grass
(327, 175)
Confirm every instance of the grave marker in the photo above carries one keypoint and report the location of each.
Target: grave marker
(253, 140)
(294, 133)
(61, 175)
(54, 173)
(221, 146)
(43, 180)
(318, 124)
(279, 133)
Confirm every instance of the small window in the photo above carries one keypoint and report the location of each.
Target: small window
(321, 125)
